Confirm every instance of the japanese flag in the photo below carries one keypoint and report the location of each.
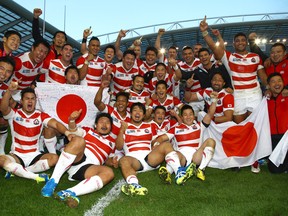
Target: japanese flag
(279, 153)
(239, 145)
(60, 100)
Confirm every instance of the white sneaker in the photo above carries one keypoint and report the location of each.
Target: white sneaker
(255, 168)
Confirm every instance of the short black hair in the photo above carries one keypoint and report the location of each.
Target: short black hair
(278, 44)
(151, 48)
(67, 44)
(186, 107)
(140, 105)
(27, 90)
(71, 67)
(8, 60)
(273, 75)
(160, 64)
(42, 41)
(60, 32)
(94, 38)
(122, 93)
(173, 47)
(159, 107)
(161, 82)
(131, 52)
(111, 46)
(137, 75)
(203, 49)
(239, 34)
(8, 33)
(103, 114)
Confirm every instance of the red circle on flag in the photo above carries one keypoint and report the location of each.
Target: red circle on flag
(239, 140)
(69, 103)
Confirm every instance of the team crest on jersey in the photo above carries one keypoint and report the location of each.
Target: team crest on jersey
(169, 108)
(102, 65)
(194, 127)
(146, 131)
(218, 102)
(36, 122)
(110, 144)
(166, 128)
(253, 60)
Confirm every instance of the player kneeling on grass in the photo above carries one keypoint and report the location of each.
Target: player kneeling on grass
(84, 157)
(26, 125)
(135, 139)
(187, 139)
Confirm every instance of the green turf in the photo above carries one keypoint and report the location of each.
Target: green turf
(223, 193)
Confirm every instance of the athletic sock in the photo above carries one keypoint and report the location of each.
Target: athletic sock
(207, 156)
(87, 186)
(39, 166)
(173, 161)
(64, 162)
(51, 144)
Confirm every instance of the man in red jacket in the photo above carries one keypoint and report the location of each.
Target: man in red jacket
(277, 107)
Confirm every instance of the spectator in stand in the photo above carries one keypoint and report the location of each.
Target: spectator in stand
(10, 42)
(277, 107)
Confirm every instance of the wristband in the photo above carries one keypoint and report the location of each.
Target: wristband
(175, 67)
(205, 33)
(86, 62)
(72, 120)
(84, 40)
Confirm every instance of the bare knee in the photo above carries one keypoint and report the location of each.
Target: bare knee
(75, 146)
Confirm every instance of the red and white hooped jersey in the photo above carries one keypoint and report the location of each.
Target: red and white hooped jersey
(122, 79)
(100, 146)
(168, 79)
(26, 129)
(96, 68)
(137, 97)
(144, 67)
(116, 117)
(26, 70)
(185, 67)
(170, 103)
(243, 69)
(159, 130)
(137, 138)
(224, 102)
(186, 136)
(56, 73)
